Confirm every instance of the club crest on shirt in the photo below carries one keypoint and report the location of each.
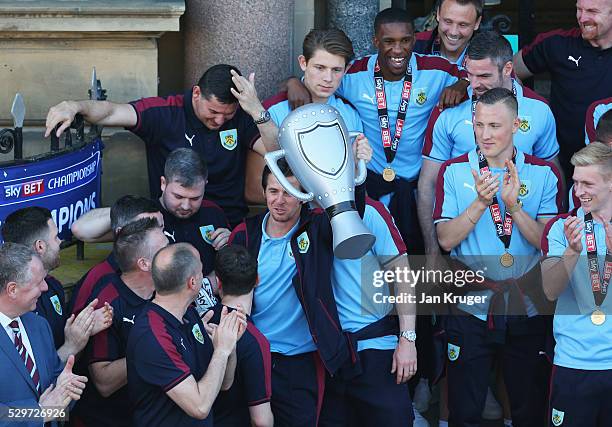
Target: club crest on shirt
(206, 232)
(197, 333)
(56, 304)
(421, 95)
(453, 352)
(229, 139)
(303, 243)
(524, 188)
(525, 124)
(557, 417)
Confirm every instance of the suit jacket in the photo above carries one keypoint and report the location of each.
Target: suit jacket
(17, 389)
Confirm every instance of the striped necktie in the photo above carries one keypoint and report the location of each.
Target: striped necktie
(23, 352)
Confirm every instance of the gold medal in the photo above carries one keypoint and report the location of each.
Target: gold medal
(388, 174)
(506, 260)
(598, 317)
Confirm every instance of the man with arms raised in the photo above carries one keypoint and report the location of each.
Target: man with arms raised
(324, 60)
(294, 305)
(207, 119)
(576, 273)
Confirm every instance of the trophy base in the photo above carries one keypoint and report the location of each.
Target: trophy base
(352, 239)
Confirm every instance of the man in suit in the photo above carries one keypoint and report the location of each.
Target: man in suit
(34, 385)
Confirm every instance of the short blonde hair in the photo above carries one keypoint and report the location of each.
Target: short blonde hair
(596, 153)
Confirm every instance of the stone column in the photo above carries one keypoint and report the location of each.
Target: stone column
(255, 36)
(356, 19)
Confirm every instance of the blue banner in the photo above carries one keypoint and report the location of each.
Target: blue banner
(67, 184)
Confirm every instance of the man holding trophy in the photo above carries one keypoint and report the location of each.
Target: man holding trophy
(385, 363)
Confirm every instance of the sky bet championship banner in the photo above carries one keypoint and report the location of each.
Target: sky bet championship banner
(68, 185)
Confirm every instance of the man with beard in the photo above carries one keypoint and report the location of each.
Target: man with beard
(578, 61)
(207, 119)
(450, 133)
(187, 216)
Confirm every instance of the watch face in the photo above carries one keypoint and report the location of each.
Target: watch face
(264, 117)
(409, 335)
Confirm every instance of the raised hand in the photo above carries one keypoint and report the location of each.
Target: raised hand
(68, 387)
(486, 186)
(103, 318)
(510, 185)
(573, 233)
(226, 334)
(209, 327)
(220, 237)
(246, 94)
(78, 329)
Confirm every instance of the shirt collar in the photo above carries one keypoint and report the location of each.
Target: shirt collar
(5, 320)
(520, 159)
(126, 293)
(168, 317)
(266, 237)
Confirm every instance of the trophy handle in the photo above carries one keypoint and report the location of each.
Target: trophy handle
(362, 172)
(271, 159)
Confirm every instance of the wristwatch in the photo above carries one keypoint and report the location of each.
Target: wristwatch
(516, 207)
(408, 335)
(264, 117)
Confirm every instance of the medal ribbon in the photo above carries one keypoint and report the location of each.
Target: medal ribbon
(599, 286)
(503, 227)
(391, 145)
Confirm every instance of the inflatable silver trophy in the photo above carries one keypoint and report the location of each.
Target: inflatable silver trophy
(315, 142)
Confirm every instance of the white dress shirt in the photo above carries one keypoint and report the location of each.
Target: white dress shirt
(5, 321)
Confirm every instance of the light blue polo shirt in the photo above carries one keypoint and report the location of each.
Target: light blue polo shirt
(579, 343)
(598, 111)
(356, 307)
(280, 110)
(430, 75)
(452, 133)
(277, 312)
(481, 249)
